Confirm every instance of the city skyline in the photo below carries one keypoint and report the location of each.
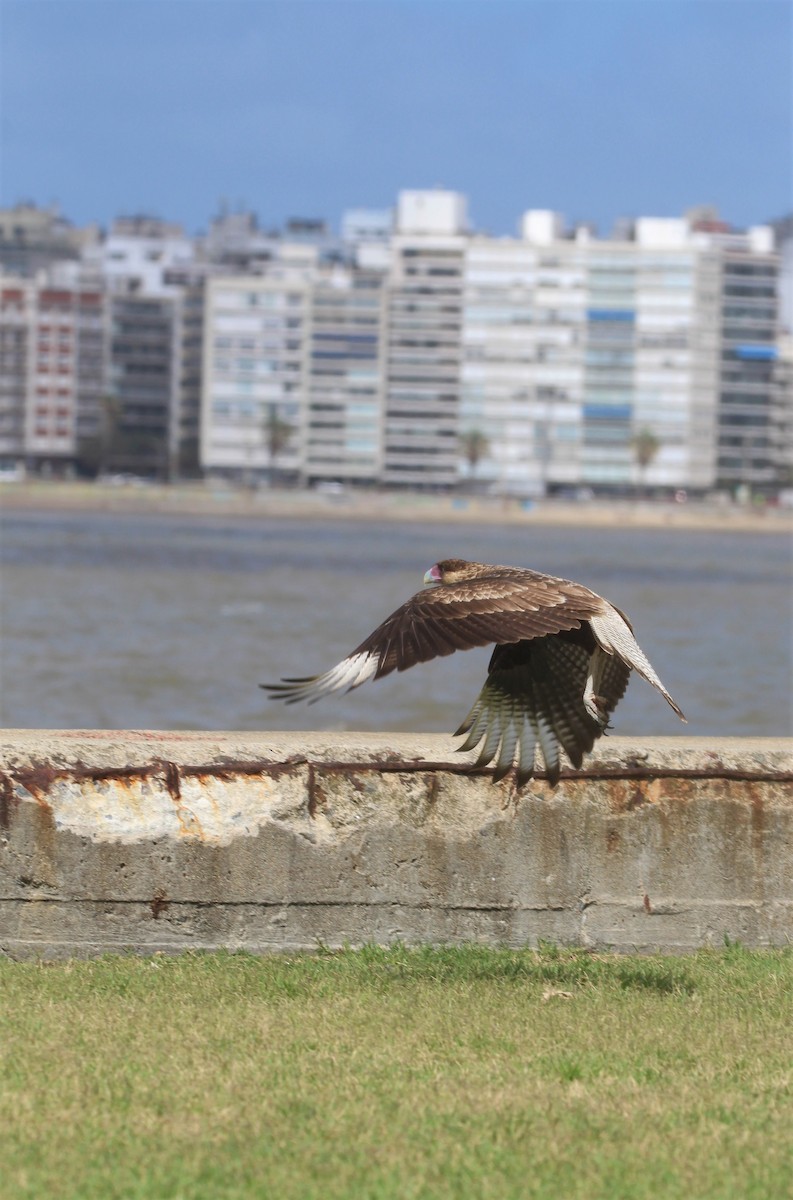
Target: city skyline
(598, 110)
(422, 356)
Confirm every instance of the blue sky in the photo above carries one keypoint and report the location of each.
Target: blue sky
(596, 108)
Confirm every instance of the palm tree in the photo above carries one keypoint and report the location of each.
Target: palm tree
(646, 445)
(277, 435)
(474, 446)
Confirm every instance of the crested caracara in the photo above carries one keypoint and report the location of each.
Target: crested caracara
(561, 663)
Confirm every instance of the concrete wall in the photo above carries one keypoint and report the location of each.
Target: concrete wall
(169, 841)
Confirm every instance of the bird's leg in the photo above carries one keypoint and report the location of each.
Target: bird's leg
(593, 701)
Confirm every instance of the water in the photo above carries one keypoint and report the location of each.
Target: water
(171, 622)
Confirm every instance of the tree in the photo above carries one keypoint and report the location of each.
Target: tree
(277, 436)
(474, 446)
(646, 445)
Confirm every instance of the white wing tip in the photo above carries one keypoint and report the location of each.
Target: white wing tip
(350, 673)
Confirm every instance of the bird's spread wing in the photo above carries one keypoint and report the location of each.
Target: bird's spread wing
(502, 608)
(534, 694)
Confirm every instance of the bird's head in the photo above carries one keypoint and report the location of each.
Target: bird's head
(450, 570)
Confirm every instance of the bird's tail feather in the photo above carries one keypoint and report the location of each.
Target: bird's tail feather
(536, 697)
(614, 635)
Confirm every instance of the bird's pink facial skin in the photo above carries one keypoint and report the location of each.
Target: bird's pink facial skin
(433, 575)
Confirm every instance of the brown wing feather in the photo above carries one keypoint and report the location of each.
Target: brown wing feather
(509, 605)
(459, 616)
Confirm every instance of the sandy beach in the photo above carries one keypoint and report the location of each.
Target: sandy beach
(212, 500)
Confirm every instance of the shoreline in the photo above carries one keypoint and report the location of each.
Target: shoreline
(221, 501)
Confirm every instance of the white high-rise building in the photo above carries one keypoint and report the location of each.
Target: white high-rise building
(366, 237)
(144, 254)
(611, 363)
(342, 431)
(254, 369)
(422, 373)
(432, 213)
(522, 370)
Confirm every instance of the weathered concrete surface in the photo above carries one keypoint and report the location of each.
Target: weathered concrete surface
(169, 841)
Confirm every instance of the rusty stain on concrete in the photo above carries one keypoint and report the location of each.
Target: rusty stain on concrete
(7, 799)
(172, 781)
(281, 841)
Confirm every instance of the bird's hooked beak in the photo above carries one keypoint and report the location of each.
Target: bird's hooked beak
(433, 575)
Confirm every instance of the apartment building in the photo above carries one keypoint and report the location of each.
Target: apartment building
(748, 385)
(33, 238)
(17, 347)
(53, 362)
(146, 255)
(675, 376)
(575, 350)
(422, 369)
(236, 245)
(366, 235)
(91, 367)
(783, 415)
(522, 374)
(94, 382)
(143, 383)
(153, 403)
(255, 369)
(342, 429)
(651, 359)
(409, 352)
(185, 428)
(549, 361)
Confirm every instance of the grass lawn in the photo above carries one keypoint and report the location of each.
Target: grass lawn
(398, 1073)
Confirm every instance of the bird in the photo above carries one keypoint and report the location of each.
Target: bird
(561, 663)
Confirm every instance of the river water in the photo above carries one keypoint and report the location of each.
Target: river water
(170, 622)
